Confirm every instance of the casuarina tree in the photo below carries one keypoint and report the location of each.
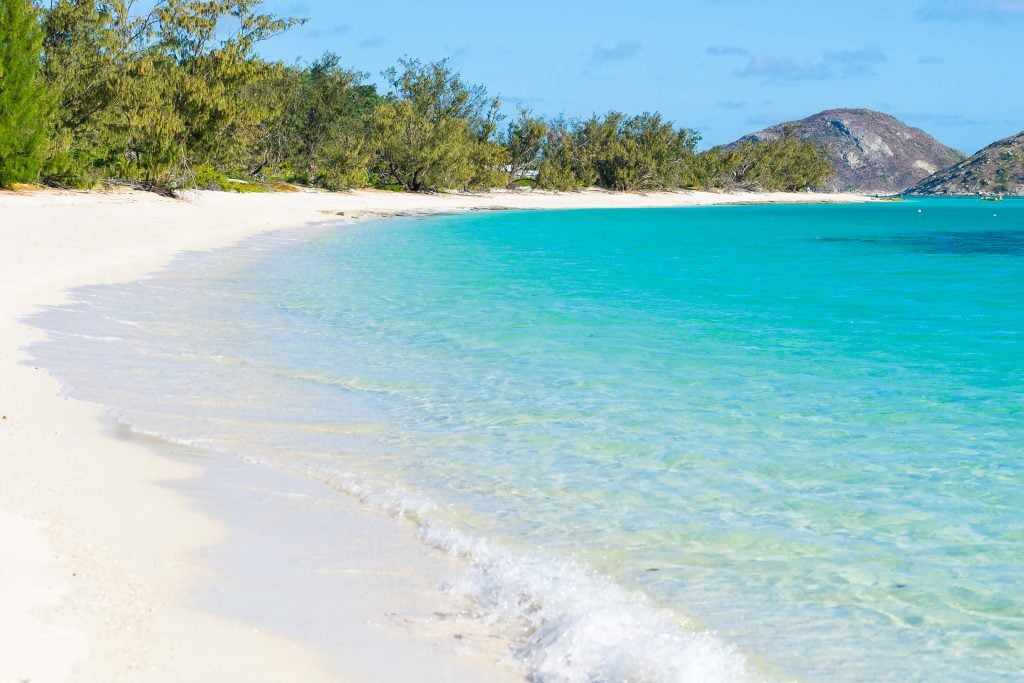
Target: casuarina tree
(22, 96)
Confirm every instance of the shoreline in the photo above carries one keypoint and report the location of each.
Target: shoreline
(94, 593)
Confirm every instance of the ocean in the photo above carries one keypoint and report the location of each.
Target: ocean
(725, 443)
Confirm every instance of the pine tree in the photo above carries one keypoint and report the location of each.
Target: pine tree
(22, 95)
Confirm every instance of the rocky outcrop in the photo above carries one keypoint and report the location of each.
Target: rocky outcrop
(996, 170)
(871, 152)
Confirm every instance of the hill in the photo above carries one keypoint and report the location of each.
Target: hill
(997, 169)
(871, 152)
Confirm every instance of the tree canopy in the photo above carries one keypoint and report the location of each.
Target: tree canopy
(433, 131)
(177, 96)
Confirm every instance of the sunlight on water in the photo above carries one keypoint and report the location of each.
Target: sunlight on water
(801, 427)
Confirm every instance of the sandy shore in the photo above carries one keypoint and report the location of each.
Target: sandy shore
(99, 553)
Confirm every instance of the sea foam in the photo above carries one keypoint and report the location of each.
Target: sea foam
(567, 623)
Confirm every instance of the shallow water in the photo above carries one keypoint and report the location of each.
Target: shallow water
(799, 427)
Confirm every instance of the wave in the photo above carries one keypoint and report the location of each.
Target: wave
(566, 623)
(569, 624)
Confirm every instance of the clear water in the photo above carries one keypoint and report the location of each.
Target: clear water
(704, 444)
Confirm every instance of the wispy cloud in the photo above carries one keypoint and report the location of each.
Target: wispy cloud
(731, 104)
(841, 64)
(617, 52)
(929, 60)
(784, 69)
(965, 10)
(855, 62)
(726, 51)
(372, 41)
(333, 32)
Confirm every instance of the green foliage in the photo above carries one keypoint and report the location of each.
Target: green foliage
(524, 140)
(565, 164)
(342, 163)
(414, 152)
(147, 97)
(177, 97)
(638, 153)
(23, 97)
(197, 69)
(715, 169)
(205, 177)
(783, 164)
(88, 49)
(331, 117)
(434, 131)
(488, 157)
(617, 152)
(317, 128)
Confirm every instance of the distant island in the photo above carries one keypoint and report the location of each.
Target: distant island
(871, 152)
(996, 170)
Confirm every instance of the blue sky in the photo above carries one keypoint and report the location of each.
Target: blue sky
(723, 67)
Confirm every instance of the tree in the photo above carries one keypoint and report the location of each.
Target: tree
(618, 152)
(326, 117)
(434, 131)
(713, 168)
(639, 152)
(488, 158)
(524, 140)
(88, 49)
(189, 86)
(23, 98)
(785, 163)
(565, 163)
(315, 129)
(147, 96)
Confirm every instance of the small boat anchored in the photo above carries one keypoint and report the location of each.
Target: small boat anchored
(992, 198)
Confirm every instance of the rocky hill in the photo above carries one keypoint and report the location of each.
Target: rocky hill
(997, 169)
(871, 152)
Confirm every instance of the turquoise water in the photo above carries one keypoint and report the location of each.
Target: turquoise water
(796, 431)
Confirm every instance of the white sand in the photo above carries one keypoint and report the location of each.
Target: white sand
(96, 556)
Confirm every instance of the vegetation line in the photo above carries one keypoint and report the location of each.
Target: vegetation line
(175, 97)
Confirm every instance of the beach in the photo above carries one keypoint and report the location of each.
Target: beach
(102, 548)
